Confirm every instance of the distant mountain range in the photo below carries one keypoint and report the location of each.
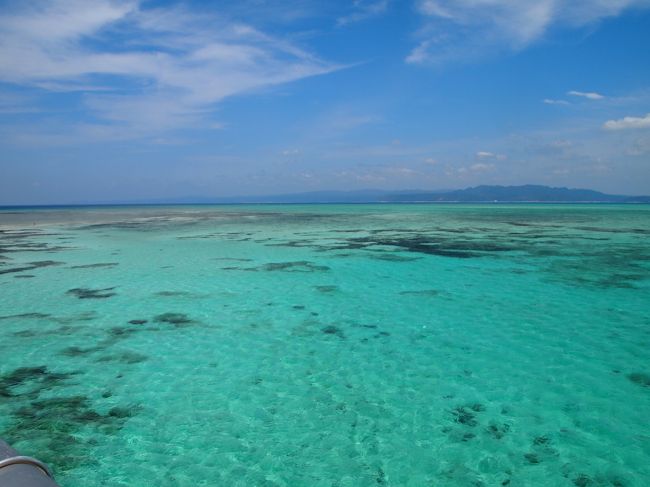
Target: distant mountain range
(480, 194)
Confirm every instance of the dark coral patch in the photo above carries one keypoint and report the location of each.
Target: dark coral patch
(18, 377)
(123, 357)
(29, 316)
(122, 331)
(232, 259)
(26, 333)
(78, 351)
(30, 381)
(94, 266)
(466, 414)
(122, 412)
(333, 330)
(532, 458)
(389, 257)
(138, 322)
(582, 480)
(498, 431)
(80, 317)
(541, 440)
(640, 378)
(298, 266)
(31, 266)
(117, 334)
(179, 320)
(424, 292)
(53, 426)
(172, 294)
(40, 332)
(87, 293)
(428, 245)
(326, 289)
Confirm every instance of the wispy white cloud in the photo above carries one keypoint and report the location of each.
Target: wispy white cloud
(490, 155)
(464, 29)
(639, 147)
(171, 65)
(588, 95)
(339, 121)
(628, 123)
(478, 168)
(363, 10)
(11, 103)
(550, 101)
(481, 166)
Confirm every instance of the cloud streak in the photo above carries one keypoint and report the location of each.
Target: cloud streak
(549, 101)
(171, 65)
(588, 95)
(363, 10)
(466, 29)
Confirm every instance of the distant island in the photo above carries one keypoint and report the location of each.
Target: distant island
(529, 193)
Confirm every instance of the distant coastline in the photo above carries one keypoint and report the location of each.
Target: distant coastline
(524, 194)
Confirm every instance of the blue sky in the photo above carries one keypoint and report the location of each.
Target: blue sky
(106, 100)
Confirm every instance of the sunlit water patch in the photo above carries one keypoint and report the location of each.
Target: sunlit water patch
(414, 345)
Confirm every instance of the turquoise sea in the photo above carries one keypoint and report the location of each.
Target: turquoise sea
(328, 346)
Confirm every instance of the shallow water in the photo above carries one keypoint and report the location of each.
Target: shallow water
(364, 345)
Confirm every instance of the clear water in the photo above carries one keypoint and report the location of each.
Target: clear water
(329, 345)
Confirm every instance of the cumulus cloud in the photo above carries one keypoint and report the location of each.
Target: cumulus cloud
(457, 29)
(588, 95)
(628, 123)
(144, 68)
